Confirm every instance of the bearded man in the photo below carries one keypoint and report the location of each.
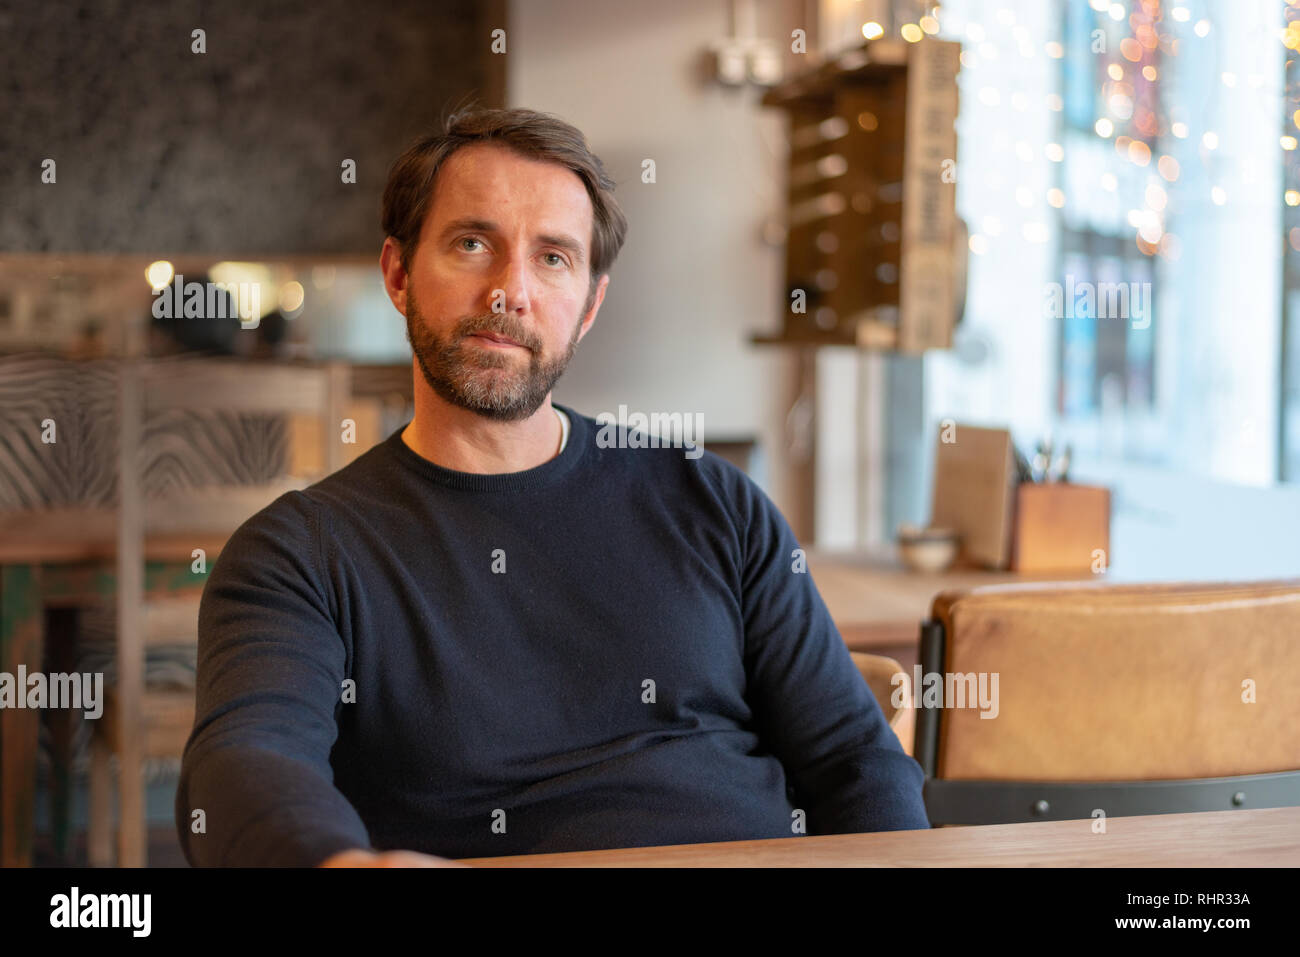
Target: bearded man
(493, 634)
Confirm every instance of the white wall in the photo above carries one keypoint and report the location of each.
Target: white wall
(694, 278)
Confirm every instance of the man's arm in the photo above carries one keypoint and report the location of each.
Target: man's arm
(813, 708)
(270, 670)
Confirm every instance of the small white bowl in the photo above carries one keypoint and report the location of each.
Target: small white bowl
(928, 550)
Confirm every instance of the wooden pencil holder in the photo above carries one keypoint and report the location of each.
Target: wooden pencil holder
(1061, 527)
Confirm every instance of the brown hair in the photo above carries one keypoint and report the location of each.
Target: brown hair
(539, 136)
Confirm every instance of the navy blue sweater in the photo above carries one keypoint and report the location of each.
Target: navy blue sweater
(616, 648)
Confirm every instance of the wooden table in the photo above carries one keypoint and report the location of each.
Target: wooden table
(1268, 837)
(878, 605)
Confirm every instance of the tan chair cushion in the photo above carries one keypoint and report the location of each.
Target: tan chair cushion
(1102, 682)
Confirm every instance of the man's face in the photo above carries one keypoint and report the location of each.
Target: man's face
(498, 293)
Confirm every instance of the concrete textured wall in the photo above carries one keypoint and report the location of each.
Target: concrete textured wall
(236, 151)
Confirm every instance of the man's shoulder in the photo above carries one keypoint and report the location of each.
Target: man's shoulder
(361, 471)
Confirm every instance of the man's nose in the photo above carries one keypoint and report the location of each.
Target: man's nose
(510, 292)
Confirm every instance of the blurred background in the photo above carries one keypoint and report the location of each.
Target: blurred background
(1067, 228)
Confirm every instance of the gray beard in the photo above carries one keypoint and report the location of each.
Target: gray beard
(486, 383)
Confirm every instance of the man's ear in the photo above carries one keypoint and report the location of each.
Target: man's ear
(395, 278)
(590, 317)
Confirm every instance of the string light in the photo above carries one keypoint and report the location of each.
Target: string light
(1126, 104)
(1150, 229)
(159, 274)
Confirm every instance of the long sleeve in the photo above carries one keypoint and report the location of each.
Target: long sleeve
(846, 767)
(271, 666)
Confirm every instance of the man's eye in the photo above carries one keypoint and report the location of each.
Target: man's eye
(469, 239)
(557, 256)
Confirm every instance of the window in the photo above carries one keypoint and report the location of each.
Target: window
(1128, 156)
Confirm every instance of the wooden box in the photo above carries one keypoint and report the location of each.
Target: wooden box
(1061, 527)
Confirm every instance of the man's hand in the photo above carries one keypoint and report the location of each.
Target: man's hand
(359, 857)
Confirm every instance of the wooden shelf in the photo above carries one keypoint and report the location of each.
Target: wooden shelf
(870, 336)
(872, 235)
(818, 86)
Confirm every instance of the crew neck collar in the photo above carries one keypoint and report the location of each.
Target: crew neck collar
(541, 476)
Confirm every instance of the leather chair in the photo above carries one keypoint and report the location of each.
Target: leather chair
(879, 672)
(1119, 699)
